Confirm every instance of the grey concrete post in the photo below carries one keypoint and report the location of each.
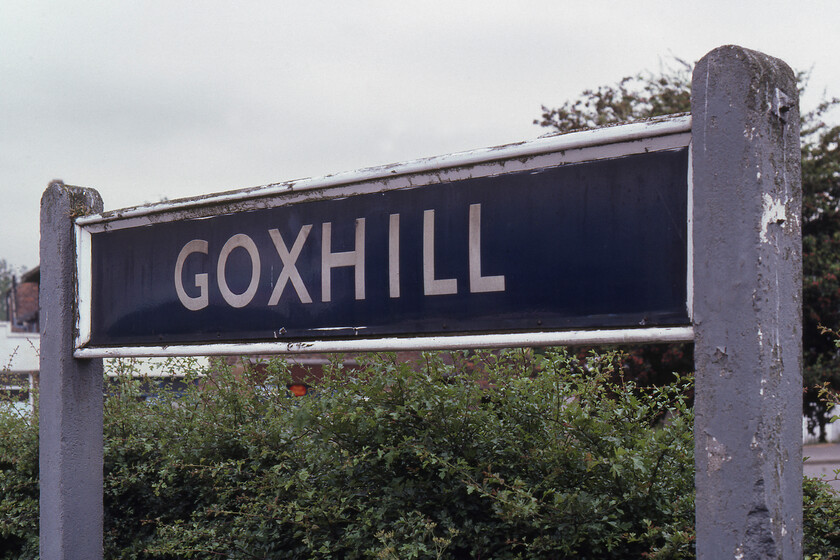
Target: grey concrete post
(70, 408)
(747, 306)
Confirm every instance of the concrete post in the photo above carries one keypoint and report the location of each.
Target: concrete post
(71, 401)
(747, 306)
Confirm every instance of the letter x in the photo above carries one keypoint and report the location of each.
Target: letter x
(290, 271)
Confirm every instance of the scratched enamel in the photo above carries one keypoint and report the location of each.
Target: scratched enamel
(600, 244)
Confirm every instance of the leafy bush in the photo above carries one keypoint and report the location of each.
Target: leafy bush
(517, 456)
(821, 520)
(18, 483)
(404, 461)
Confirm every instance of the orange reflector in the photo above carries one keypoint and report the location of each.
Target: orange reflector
(298, 389)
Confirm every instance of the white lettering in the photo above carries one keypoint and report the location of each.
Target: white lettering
(394, 255)
(243, 299)
(432, 286)
(200, 301)
(290, 271)
(479, 283)
(354, 258)
(291, 274)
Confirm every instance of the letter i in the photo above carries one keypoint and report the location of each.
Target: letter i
(394, 256)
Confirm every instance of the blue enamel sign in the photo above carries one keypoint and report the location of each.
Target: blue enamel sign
(586, 245)
(599, 244)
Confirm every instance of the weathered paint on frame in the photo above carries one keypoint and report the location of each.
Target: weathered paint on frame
(552, 242)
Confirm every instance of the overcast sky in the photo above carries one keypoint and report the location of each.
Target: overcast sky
(152, 99)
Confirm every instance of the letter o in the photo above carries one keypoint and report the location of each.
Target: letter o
(243, 299)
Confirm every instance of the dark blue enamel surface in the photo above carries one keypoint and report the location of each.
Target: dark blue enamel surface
(597, 244)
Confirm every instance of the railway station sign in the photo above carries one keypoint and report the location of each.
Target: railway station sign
(577, 232)
(683, 228)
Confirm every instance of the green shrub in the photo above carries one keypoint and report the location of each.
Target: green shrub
(821, 520)
(18, 483)
(405, 461)
(515, 457)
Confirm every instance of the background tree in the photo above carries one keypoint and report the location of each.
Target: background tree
(648, 95)
(642, 96)
(821, 259)
(6, 279)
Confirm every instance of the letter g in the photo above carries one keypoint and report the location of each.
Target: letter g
(200, 301)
